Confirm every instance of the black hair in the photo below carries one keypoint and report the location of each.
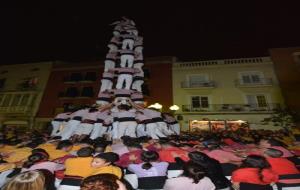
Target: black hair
(38, 150)
(91, 110)
(124, 107)
(85, 152)
(64, 144)
(147, 157)
(35, 158)
(256, 161)
(109, 157)
(274, 153)
(193, 171)
(102, 145)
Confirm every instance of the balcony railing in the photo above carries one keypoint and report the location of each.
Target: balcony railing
(17, 102)
(260, 82)
(232, 108)
(207, 84)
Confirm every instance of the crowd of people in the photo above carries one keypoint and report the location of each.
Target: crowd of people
(204, 161)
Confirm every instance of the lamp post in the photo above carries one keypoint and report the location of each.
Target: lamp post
(156, 106)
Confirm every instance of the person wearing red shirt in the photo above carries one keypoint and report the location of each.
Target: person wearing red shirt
(131, 157)
(280, 165)
(169, 152)
(255, 169)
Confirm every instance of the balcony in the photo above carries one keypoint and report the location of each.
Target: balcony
(16, 102)
(259, 83)
(89, 77)
(194, 85)
(232, 108)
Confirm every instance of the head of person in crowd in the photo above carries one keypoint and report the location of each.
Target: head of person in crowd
(147, 157)
(37, 150)
(200, 158)
(36, 158)
(104, 159)
(268, 143)
(193, 171)
(125, 139)
(99, 147)
(65, 145)
(85, 152)
(213, 146)
(256, 161)
(273, 153)
(102, 182)
(133, 145)
(26, 181)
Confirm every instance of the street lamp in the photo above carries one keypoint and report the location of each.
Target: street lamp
(155, 106)
(174, 108)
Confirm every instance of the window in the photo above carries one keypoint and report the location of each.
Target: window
(76, 77)
(251, 78)
(24, 100)
(72, 92)
(28, 83)
(87, 92)
(90, 76)
(197, 80)
(7, 100)
(16, 100)
(257, 100)
(35, 69)
(2, 83)
(200, 102)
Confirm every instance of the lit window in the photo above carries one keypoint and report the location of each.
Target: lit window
(200, 102)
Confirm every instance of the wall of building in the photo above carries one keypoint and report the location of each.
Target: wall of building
(160, 81)
(287, 67)
(226, 88)
(22, 88)
(158, 84)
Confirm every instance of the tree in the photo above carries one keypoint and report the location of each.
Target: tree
(283, 118)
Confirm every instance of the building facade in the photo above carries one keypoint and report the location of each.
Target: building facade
(287, 68)
(78, 84)
(222, 92)
(22, 87)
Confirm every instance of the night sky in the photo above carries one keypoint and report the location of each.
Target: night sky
(73, 31)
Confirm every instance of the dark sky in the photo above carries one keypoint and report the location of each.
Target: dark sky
(69, 30)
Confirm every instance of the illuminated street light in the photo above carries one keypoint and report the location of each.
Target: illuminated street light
(155, 106)
(174, 108)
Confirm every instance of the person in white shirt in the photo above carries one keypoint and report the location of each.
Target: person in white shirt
(172, 123)
(58, 122)
(73, 124)
(107, 80)
(126, 121)
(98, 130)
(126, 58)
(125, 75)
(87, 124)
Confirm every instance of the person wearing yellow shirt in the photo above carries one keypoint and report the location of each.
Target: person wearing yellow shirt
(62, 149)
(77, 169)
(103, 164)
(18, 155)
(4, 148)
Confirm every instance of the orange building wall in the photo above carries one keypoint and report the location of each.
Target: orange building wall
(288, 73)
(51, 101)
(159, 84)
